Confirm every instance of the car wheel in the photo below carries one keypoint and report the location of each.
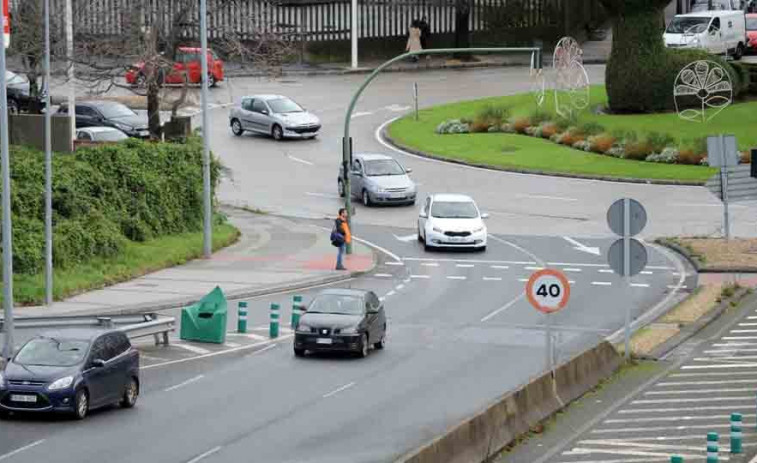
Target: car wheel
(340, 188)
(299, 352)
(212, 82)
(141, 80)
(420, 237)
(481, 249)
(381, 342)
(13, 106)
(363, 347)
(366, 199)
(131, 393)
(81, 404)
(426, 247)
(236, 127)
(739, 52)
(277, 133)
(4, 414)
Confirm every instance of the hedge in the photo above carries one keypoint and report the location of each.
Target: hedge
(104, 196)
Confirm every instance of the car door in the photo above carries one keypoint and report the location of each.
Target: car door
(121, 362)
(87, 117)
(714, 37)
(372, 304)
(246, 114)
(261, 120)
(178, 72)
(423, 216)
(356, 178)
(96, 377)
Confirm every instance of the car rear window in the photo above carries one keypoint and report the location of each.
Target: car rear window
(751, 24)
(52, 352)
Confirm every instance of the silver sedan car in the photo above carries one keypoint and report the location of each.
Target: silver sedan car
(274, 115)
(378, 179)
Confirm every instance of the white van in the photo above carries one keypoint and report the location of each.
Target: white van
(718, 32)
(710, 5)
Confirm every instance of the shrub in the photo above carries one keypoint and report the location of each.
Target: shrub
(591, 128)
(548, 129)
(602, 143)
(689, 156)
(507, 128)
(637, 150)
(538, 116)
(667, 156)
(479, 126)
(569, 137)
(745, 157)
(494, 129)
(582, 145)
(520, 124)
(659, 141)
(492, 115)
(452, 126)
(616, 151)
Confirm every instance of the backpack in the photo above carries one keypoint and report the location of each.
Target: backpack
(337, 239)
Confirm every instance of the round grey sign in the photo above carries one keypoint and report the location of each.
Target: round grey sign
(637, 257)
(637, 216)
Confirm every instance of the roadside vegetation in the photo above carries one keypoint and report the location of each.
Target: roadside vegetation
(119, 211)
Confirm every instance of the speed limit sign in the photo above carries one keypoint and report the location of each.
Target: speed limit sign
(548, 290)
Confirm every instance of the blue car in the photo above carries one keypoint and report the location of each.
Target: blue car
(71, 372)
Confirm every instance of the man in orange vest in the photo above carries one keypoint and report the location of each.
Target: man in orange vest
(342, 227)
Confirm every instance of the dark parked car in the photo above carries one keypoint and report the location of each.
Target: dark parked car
(109, 114)
(350, 320)
(71, 372)
(19, 94)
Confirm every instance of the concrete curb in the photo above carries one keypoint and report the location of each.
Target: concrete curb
(481, 436)
(698, 325)
(701, 268)
(388, 139)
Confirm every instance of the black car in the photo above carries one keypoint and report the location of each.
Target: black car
(19, 94)
(109, 114)
(71, 372)
(349, 320)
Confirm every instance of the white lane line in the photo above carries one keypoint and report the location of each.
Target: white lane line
(743, 331)
(302, 161)
(699, 391)
(393, 263)
(406, 280)
(748, 324)
(399, 287)
(420, 276)
(628, 443)
(628, 460)
(659, 267)
(223, 352)
(717, 366)
(472, 261)
(338, 390)
(734, 344)
(636, 453)
(705, 383)
(231, 344)
(674, 287)
(674, 410)
(430, 264)
(534, 268)
(382, 275)
(702, 399)
(21, 449)
(499, 267)
(322, 195)
(572, 270)
(646, 272)
(553, 198)
(190, 348)
(204, 455)
(752, 317)
(391, 293)
(573, 264)
(466, 265)
(727, 351)
(697, 375)
(504, 307)
(601, 283)
(361, 114)
(523, 280)
(604, 270)
(739, 338)
(456, 277)
(718, 358)
(189, 381)
(665, 428)
(492, 279)
(639, 285)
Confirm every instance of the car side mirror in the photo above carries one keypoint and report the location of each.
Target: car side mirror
(265, 111)
(423, 215)
(98, 363)
(357, 172)
(408, 170)
(484, 215)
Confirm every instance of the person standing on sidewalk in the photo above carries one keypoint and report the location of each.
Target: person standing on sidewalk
(425, 34)
(414, 39)
(341, 227)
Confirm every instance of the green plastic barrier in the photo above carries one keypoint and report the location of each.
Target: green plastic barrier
(205, 321)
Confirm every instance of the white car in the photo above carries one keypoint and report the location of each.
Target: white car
(274, 115)
(451, 220)
(100, 134)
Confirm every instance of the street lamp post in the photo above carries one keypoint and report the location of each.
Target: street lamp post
(48, 167)
(207, 247)
(6, 202)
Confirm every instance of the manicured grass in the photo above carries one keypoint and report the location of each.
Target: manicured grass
(529, 153)
(137, 259)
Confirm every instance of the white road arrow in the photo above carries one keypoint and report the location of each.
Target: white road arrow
(397, 108)
(582, 247)
(407, 238)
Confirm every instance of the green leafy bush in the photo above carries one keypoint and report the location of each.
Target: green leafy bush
(103, 196)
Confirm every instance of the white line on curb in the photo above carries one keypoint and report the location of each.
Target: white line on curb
(504, 307)
(185, 383)
(206, 454)
(338, 390)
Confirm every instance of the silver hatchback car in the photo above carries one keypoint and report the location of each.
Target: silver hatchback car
(378, 179)
(274, 115)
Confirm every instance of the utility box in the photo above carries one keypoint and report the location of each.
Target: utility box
(205, 321)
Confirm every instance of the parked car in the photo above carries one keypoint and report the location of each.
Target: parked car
(19, 93)
(718, 32)
(71, 372)
(100, 134)
(452, 220)
(718, 5)
(349, 320)
(274, 115)
(378, 179)
(751, 32)
(98, 113)
(186, 68)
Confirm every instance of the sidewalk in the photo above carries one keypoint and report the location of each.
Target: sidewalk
(273, 254)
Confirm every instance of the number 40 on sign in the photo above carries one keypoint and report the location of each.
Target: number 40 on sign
(548, 290)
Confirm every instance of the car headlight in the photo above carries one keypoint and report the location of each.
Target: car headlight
(61, 383)
(2, 380)
(478, 230)
(124, 127)
(350, 330)
(437, 229)
(303, 328)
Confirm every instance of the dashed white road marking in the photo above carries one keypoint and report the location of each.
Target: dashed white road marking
(466, 265)
(500, 267)
(430, 264)
(339, 389)
(534, 268)
(321, 195)
(698, 391)
(399, 287)
(190, 348)
(20, 449)
(492, 279)
(523, 280)
(231, 344)
(666, 428)
(601, 283)
(185, 383)
(705, 383)
(394, 263)
(748, 324)
(569, 269)
(639, 285)
(604, 270)
(675, 287)
(420, 276)
(456, 277)
(573, 264)
(718, 366)
(629, 443)
(702, 399)
(673, 410)
(637, 453)
(301, 161)
(204, 455)
(743, 331)
(552, 198)
(361, 114)
(646, 272)
(390, 293)
(382, 275)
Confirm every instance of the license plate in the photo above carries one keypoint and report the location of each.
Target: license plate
(456, 239)
(144, 133)
(23, 398)
(397, 195)
(323, 341)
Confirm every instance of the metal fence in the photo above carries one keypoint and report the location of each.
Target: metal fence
(321, 20)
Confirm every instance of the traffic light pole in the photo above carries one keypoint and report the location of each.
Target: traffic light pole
(347, 142)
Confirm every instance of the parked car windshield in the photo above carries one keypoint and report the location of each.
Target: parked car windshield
(679, 25)
(52, 352)
(454, 210)
(116, 110)
(337, 304)
(704, 5)
(284, 105)
(751, 24)
(110, 135)
(11, 78)
(383, 167)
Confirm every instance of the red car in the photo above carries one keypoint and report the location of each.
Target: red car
(751, 32)
(187, 68)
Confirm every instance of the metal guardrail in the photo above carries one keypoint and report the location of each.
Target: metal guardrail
(135, 326)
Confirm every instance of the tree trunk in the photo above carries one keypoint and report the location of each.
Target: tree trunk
(153, 109)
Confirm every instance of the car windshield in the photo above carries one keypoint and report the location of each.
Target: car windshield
(751, 24)
(383, 167)
(116, 110)
(679, 25)
(454, 210)
(14, 79)
(704, 5)
(337, 304)
(110, 135)
(52, 352)
(284, 105)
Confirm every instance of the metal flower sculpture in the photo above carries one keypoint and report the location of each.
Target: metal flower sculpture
(538, 83)
(702, 90)
(571, 80)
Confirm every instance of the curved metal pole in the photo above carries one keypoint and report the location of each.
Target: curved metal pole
(346, 143)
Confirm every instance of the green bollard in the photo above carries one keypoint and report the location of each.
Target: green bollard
(676, 459)
(712, 447)
(296, 304)
(242, 317)
(273, 330)
(736, 435)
